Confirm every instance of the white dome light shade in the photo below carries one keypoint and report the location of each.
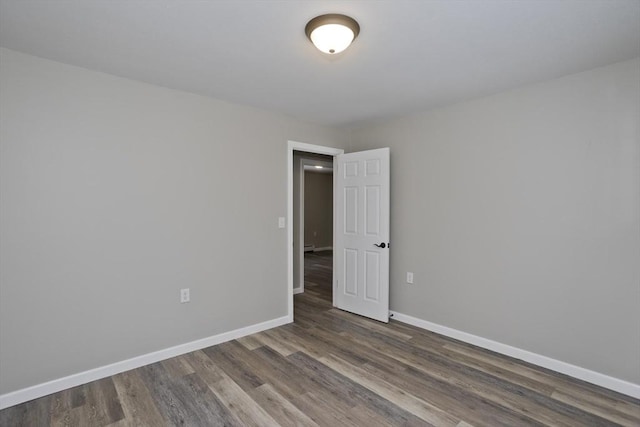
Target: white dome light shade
(332, 38)
(332, 33)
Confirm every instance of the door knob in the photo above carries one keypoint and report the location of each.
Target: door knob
(381, 245)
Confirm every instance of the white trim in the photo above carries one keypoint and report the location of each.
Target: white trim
(297, 291)
(312, 148)
(300, 208)
(324, 248)
(309, 148)
(334, 264)
(54, 386)
(621, 386)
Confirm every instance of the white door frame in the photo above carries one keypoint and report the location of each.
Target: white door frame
(309, 148)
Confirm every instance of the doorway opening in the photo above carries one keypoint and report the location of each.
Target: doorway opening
(314, 220)
(315, 233)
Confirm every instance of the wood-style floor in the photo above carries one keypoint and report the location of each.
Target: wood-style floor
(331, 368)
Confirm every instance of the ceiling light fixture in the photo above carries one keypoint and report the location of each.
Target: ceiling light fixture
(332, 33)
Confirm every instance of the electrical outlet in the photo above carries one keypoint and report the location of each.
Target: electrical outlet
(281, 222)
(184, 295)
(409, 277)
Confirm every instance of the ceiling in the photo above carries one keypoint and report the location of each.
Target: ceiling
(410, 55)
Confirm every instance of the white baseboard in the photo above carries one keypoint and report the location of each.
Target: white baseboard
(615, 384)
(298, 291)
(323, 248)
(39, 390)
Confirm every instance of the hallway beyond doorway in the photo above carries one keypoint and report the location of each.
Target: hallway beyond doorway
(318, 274)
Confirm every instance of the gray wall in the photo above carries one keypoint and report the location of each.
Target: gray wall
(114, 195)
(318, 209)
(519, 216)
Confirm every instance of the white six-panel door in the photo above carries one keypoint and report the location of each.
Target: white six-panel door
(362, 233)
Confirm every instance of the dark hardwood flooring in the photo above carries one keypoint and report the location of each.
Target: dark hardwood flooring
(331, 368)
